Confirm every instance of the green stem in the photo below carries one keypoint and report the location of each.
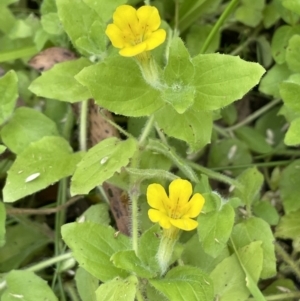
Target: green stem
(255, 115)
(71, 291)
(42, 265)
(134, 196)
(67, 129)
(218, 25)
(139, 295)
(160, 134)
(144, 174)
(264, 164)
(49, 262)
(134, 193)
(167, 151)
(215, 175)
(287, 259)
(166, 247)
(146, 131)
(222, 131)
(115, 125)
(176, 18)
(58, 244)
(248, 41)
(83, 126)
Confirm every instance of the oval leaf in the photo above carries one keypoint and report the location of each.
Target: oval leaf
(50, 157)
(100, 163)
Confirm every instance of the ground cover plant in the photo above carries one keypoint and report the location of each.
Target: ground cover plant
(149, 150)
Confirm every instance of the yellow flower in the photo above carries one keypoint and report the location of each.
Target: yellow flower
(135, 31)
(176, 210)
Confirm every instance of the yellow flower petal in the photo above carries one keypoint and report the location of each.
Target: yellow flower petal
(180, 192)
(194, 206)
(157, 216)
(115, 35)
(125, 18)
(155, 39)
(157, 197)
(149, 18)
(133, 50)
(186, 224)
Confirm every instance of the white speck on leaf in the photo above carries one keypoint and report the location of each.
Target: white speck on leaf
(103, 160)
(32, 177)
(232, 152)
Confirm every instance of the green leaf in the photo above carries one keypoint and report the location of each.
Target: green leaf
(287, 15)
(280, 41)
(180, 97)
(271, 81)
(271, 15)
(229, 277)
(194, 255)
(252, 180)
(48, 6)
(229, 152)
(76, 18)
(196, 37)
(289, 187)
(271, 125)
(214, 229)
(9, 94)
(2, 149)
(292, 53)
(193, 127)
(118, 289)
(18, 284)
(20, 30)
(256, 229)
(128, 95)
(213, 201)
(26, 126)
(104, 8)
(98, 213)
(229, 114)
(235, 77)
(51, 24)
(292, 137)
(250, 12)
(289, 227)
(93, 245)
(185, 283)
(267, 212)
(86, 285)
(178, 74)
(277, 286)
(289, 91)
(148, 246)
(7, 19)
(2, 224)
(100, 163)
(292, 5)
(59, 82)
(41, 164)
(127, 260)
(23, 242)
(94, 43)
(254, 139)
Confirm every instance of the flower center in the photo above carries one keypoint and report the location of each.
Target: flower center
(137, 35)
(175, 211)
